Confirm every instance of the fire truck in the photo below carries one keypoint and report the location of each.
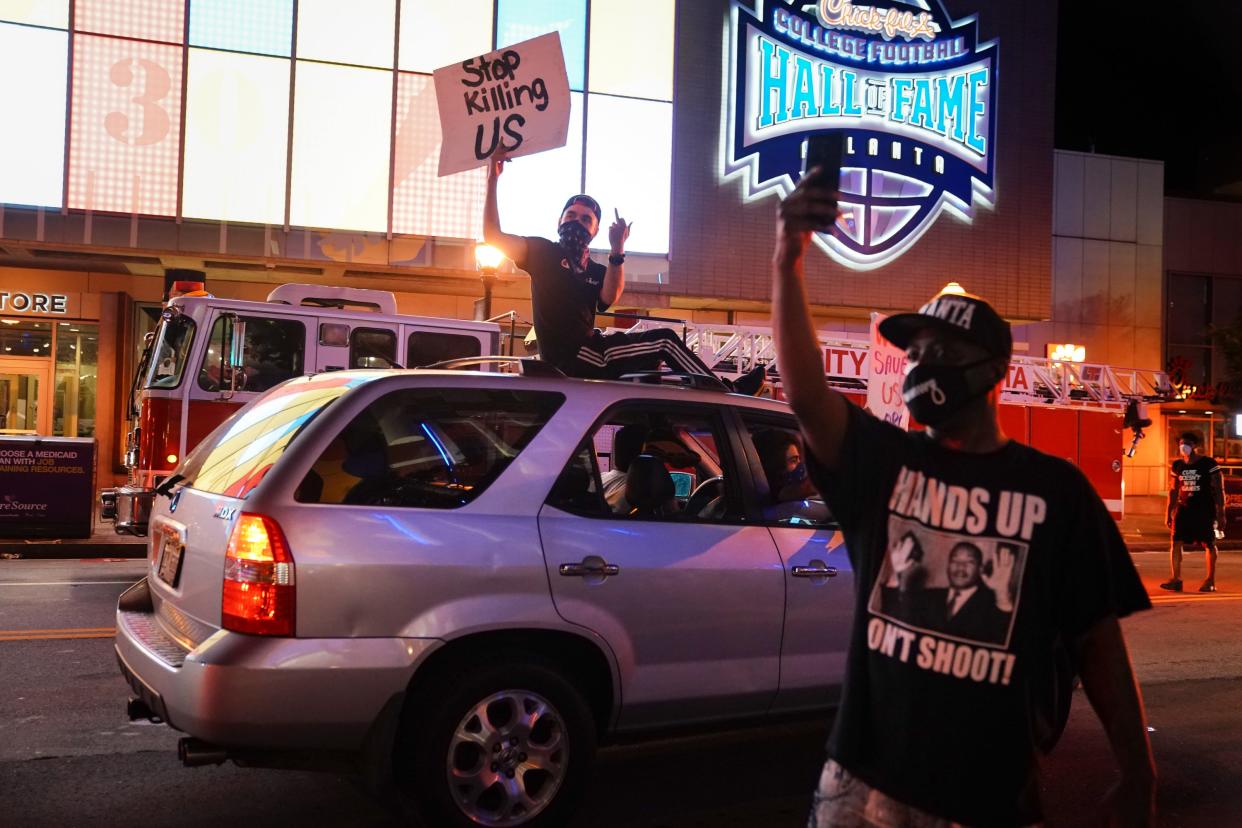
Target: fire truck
(208, 357)
(1083, 412)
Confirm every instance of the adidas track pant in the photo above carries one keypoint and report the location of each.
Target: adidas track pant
(607, 356)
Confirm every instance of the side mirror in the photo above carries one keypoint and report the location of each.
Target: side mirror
(237, 349)
(1136, 420)
(233, 354)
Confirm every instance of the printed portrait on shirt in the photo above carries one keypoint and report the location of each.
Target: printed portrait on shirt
(951, 584)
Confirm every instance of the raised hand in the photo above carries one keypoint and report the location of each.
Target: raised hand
(618, 232)
(1001, 574)
(496, 164)
(902, 558)
(808, 208)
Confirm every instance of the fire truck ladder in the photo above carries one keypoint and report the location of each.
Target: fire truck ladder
(735, 349)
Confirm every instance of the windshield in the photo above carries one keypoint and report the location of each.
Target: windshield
(235, 457)
(172, 350)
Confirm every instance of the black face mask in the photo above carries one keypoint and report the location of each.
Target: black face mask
(574, 240)
(934, 393)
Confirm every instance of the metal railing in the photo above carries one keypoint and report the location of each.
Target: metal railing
(735, 349)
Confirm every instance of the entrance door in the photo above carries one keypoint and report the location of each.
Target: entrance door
(25, 396)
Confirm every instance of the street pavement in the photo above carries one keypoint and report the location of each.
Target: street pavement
(69, 757)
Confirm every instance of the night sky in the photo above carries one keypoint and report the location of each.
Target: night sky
(1166, 86)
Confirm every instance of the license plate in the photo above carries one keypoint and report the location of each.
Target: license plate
(170, 558)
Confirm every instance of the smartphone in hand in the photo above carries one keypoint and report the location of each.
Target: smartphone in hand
(824, 150)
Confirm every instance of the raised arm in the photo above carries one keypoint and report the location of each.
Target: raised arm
(821, 411)
(512, 246)
(1108, 679)
(614, 279)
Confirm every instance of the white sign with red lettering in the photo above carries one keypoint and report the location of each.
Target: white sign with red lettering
(515, 99)
(887, 364)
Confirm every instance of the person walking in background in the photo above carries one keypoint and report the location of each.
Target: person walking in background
(940, 729)
(1196, 499)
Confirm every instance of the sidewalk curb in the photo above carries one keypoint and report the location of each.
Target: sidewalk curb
(72, 551)
(1163, 546)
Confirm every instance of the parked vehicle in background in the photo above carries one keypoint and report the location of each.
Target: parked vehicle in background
(425, 571)
(208, 357)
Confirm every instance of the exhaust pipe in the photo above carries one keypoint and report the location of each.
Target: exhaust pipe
(138, 709)
(195, 753)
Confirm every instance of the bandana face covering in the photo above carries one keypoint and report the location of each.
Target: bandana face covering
(574, 241)
(933, 393)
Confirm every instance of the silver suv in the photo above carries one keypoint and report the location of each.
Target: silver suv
(463, 582)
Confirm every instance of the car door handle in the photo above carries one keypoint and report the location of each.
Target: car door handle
(589, 569)
(815, 571)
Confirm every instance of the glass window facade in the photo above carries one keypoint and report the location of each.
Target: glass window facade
(363, 130)
(360, 32)
(77, 380)
(32, 158)
(235, 139)
(340, 162)
(518, 20)
(263, 27)
(53, 13)
(435, 33)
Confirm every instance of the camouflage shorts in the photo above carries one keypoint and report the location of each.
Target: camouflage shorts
(843, 801)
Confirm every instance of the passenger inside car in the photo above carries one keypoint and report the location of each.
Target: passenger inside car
(627, 443)
(790, 491)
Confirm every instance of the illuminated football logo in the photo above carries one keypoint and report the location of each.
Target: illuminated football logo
(913, 92)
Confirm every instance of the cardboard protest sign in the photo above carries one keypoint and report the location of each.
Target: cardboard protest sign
(887, 373)
(516, 98)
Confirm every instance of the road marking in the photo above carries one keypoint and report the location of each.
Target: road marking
(62, 583)
(57, 634)
(1185, 599)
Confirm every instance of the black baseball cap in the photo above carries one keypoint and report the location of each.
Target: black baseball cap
(963, 315)
(591, 203)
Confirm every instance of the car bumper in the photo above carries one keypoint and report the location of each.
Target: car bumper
(238, 690)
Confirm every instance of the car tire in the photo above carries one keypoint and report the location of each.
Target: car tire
(465, 757)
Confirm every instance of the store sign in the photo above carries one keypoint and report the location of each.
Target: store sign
(515, 99)
(55, 304)
(912, 91)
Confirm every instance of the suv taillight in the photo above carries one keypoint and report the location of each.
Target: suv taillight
(259, 591)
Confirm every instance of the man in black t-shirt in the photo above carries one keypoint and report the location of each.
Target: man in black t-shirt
(941, 722)
(568, 288)
(1196, 498)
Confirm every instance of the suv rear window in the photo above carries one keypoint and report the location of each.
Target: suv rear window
(236, 456)
(427, 448)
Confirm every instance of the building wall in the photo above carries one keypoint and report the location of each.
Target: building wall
(721, 247)
(1107, 283)
(1203, 236)
(1203, 243)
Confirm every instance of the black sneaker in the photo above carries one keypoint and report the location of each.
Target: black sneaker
(1172, 585)
(751, 383)
(1208, 586)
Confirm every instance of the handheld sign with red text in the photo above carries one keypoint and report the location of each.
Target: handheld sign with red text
(888, 372)
(515, 99)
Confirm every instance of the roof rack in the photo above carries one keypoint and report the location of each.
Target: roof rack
(526, 366)
(697, 381)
